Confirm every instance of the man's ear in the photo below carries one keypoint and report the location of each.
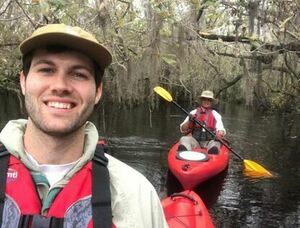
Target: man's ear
(98, 93)
(22, 82)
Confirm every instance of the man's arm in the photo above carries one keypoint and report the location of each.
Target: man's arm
(220, 130)
(184, 126)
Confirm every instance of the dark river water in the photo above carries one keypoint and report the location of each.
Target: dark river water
(141, 138)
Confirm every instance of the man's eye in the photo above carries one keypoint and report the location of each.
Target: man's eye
(46, 70)
(80, 76)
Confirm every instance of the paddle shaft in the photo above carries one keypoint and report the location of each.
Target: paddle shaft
(209, 131)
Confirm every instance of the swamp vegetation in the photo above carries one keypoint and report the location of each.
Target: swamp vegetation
(246, 51)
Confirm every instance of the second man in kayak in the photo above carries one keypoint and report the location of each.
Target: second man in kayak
(197, 136)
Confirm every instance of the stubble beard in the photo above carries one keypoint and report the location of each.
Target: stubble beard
(72, 126)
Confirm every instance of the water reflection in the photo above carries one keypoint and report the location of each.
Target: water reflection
(236, 201)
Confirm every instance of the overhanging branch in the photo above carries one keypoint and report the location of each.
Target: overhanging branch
(229, 84)
(281, 48)
(209, 36)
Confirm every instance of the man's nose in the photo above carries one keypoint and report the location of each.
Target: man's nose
(61, 84)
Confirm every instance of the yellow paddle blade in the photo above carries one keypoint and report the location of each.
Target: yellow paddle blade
(255, 170)
(163, 93)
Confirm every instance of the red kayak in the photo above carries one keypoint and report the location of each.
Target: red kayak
(186, 209)
(194, 167)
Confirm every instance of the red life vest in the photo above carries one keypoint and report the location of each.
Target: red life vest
(206, 117)
(73, 205)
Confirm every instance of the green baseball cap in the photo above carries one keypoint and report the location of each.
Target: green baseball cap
(71, 37)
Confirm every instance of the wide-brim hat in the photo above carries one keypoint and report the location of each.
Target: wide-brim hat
(207, 94)
(70, 37)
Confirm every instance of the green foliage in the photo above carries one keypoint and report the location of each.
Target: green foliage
(280, 102)
(169, 59)
(165, 31)
(157, 42)
(286, 101)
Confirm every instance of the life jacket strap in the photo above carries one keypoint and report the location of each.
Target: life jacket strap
(4, 156)
(101, 197)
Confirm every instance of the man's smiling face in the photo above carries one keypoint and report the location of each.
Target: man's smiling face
(60, 91)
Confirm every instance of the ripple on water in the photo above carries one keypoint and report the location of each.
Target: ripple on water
(146, 155)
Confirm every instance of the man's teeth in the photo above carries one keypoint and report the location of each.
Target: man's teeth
(59, 105)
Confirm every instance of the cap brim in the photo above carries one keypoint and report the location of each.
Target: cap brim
(97, 52)
(207, 97)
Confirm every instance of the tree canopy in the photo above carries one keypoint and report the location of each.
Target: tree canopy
(246, 51)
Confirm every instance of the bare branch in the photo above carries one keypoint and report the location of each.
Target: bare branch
(229, 84)
(127, 9)
(30, 20)
(5, 8)
(281, 48)
(9, 45)
(183, 85)
(209, 36)
(231, 54)
(280, 69)
(211, 64)
(11, 19)
(295, 74)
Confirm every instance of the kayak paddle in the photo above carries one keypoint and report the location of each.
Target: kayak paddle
(252, 168)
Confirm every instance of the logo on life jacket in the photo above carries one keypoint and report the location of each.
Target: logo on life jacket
(12, 175)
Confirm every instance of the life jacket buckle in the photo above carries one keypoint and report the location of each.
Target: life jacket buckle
(39, 221)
